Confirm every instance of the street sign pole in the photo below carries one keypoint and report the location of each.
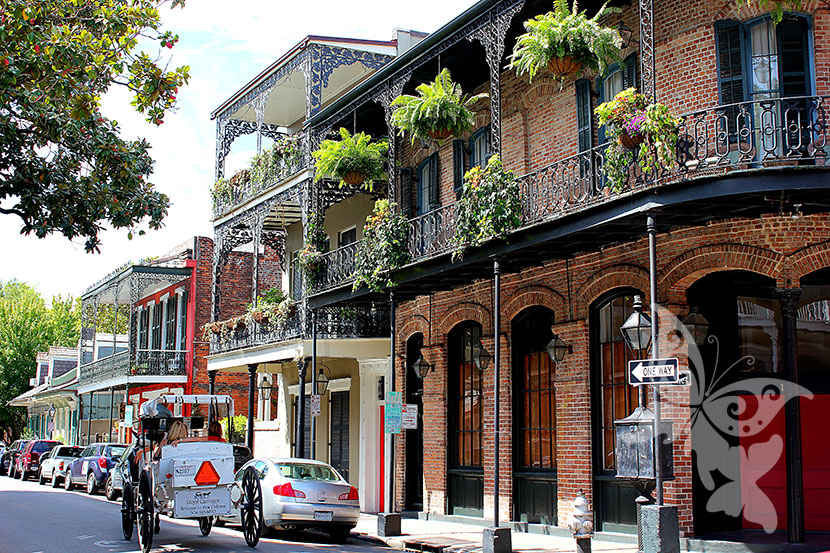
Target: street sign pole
(655, 350)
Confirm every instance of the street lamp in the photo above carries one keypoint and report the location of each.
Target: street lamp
(557, 349)
(323, 379)
(697, 325)
(265, 388)
(421, 367)
(481, 357)
(637, 328)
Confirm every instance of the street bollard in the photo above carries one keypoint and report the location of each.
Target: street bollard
(582, 524)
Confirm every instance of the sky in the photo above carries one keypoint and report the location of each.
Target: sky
(225, 43)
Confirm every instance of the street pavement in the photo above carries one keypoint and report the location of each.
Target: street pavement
(41, 519)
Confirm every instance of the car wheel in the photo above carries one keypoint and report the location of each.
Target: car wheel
(109, 490)
(11, 472)
(55, 481)
(41, 479)
(23, 475)
(67, 482)
(91, 484)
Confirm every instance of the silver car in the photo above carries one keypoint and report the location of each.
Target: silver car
(53, 464)
(301, 493)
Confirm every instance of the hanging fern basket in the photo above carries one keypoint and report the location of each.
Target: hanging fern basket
(440, 134)
(564, 66)
(354, 178)
(630, 141)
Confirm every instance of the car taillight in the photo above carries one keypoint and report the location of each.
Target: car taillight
(61, 466)
(102, 462)
(27, 458)
(351, 495)
(285, 490)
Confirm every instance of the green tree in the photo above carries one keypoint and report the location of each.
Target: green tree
(63, 166)
(28, 326)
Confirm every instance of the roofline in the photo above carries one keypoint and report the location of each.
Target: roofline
(401, 61)
(288, 55)
(145, 269)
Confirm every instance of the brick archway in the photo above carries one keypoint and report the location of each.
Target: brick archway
(693, 264)
(466, 311)
(531, 295)
(609, 278)
(807, 260)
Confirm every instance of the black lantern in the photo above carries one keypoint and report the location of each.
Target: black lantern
(625, 34)
(421, 367)
(265, 388)
(637, 328)
(697, 325)
(481, 357)
(323, 379)
(557, 349)
(634, 452)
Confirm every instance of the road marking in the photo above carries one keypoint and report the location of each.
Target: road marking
(84, 537)
(108, 543)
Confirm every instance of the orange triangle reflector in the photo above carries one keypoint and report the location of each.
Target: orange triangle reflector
(206, 475)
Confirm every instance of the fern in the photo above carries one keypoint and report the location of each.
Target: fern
(351, 154)
(439, 106)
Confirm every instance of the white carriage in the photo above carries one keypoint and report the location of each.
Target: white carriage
(192, 477)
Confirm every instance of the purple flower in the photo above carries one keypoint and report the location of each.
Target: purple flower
(636, 123)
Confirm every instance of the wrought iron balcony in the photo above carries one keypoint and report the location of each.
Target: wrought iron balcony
(757, 135)
(244, 192)
(147, 363)
(353, 321)
(252, 333)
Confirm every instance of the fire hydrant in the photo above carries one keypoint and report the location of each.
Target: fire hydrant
(582, 524)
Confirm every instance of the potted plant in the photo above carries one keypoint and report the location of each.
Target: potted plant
(383, 248)
(490, 206)
(645, 134)
(309, 259)
(354, 159)
(440, 110)
(565, 41)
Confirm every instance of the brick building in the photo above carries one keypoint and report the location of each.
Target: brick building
(742, 234)
(141, 336)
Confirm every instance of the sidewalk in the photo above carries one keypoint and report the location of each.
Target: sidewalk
(445, 537)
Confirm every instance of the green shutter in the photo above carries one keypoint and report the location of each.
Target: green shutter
(792, 49)
(583, 115)
(730, 62)
(457, 166)
(630, 74)
(409, 204)
(434, 182)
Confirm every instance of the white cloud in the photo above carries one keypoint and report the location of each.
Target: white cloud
(225, 44)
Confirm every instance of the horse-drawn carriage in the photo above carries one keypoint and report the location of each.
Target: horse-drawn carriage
(190, 476)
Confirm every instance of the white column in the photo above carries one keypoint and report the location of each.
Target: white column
(369, 476)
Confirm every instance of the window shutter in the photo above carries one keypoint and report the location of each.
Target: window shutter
(583, 114)
(630, 76)
(434, 185)
(409, 203)
(730, 62)
(792, 47)
(457, 166)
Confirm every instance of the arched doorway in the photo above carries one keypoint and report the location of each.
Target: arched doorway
(414, 477)
(612, 398)
(534, 418)
(465, 473)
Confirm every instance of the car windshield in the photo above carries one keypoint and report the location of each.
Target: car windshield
(115, 451)
(308, 471)
(40, 447)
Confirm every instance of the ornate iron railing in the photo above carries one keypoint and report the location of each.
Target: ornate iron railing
(755, 135)
(244, 192)
(336, 267)
(253, 333)
(147, 363)
(353, 321)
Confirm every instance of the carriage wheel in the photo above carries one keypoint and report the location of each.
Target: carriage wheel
(127, 511)
(144, 513)
(205, 525)
(251, 509)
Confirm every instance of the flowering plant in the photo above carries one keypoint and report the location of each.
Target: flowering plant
(490, 206)
(383, 248)
(309, 259)
(288, 147)
(645, 133)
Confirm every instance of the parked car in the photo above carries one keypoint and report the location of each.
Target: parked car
(93, 466)
(53, 464)
(9, 458)
(28, 462)
(300, 494)
(115, 481)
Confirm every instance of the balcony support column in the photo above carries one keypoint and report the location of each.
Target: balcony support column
(649, 77)
(211, 391)
(299, 435)
(251, 398)
(89, 418)
(314, 380)
(112, 403)
(115, 324)
(256, 232)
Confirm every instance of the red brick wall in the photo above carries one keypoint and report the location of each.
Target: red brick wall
(780, 247)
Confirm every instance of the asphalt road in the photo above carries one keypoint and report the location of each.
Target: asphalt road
(41, 519)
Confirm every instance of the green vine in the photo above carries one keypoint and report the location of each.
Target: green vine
(383, 248)
(490, 206)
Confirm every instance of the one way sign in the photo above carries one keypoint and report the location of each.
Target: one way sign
(653, 371)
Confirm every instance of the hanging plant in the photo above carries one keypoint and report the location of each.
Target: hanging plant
(354, 159)
(643, 133)
(383, 248)
(310, 259)
(565, 41)
(273, 309)
(440, 110)
(490, 206)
